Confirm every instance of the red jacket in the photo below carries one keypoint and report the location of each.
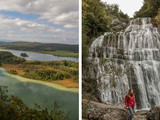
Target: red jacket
(129, 101)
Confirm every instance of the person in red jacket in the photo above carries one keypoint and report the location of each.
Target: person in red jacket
(130, 102)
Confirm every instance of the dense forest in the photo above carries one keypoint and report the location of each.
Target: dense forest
(46, 71)
(50, 48)
(13, 108)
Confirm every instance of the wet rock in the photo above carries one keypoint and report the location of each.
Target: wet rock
(140, 115)
(159, 29)
(154, 113)
(99, 111)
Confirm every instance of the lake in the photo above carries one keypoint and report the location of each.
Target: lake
(41, 94)
(39, 56)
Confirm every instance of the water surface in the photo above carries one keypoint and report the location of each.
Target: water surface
(31, 93)
(39, 56)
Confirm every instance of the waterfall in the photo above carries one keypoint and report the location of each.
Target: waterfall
(129, 59)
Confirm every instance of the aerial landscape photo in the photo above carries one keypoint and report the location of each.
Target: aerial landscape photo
(39, 60)
(121, 59)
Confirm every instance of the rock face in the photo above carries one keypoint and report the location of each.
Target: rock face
(100, 111)
(128, 59)
(118, 25)
(154, 113)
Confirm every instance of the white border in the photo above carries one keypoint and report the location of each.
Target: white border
(80, 59)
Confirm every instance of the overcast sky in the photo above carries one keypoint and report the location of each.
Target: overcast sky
(53, 21)
(127, 6)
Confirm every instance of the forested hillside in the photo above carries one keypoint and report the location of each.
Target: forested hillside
(52, 71)
(64, 50)
(40, 46)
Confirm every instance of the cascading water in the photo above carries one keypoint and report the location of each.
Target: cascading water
(135, 54)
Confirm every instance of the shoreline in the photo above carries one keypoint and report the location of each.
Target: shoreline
(49, 84)
(41, 53)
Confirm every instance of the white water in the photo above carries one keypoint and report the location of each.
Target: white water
(136, 53)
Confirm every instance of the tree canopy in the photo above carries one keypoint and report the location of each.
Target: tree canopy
(150, 8)
(13, 108)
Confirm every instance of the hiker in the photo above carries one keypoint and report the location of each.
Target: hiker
(130, 103)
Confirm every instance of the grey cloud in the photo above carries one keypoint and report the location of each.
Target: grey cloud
(18, 29)
(51, 10)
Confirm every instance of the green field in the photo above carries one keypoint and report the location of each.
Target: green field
(61, 53)
(65, 53)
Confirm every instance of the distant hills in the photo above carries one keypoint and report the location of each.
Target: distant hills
(35, 46)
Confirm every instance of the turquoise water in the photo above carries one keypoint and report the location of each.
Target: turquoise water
(40, 94)
(40, 56)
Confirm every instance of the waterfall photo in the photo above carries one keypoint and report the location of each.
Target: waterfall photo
(121, 60)
(39, 60)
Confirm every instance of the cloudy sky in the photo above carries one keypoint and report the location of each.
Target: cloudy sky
(127, 6)
(52, 21)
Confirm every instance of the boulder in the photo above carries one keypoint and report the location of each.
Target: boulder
(154, 113)
(100, 111)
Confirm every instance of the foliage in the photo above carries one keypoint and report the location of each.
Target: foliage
(149, 9)
(157, 18)
(114, 11)
(47, 75)
(9, 58)
(24, 55)
(53, 70)
(47, 71)
(13, 72)
(64, 53)
(94, 22)
(13, 108)
(97, 19)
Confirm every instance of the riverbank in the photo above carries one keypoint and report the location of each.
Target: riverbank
(49, 84)
(21, 71)
(57, 53)
(40, 56)
(63, 73)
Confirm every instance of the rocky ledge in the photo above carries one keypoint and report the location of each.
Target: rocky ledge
(154, 113)
(100, 111)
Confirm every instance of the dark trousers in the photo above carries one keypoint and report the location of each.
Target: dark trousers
(131, 111)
